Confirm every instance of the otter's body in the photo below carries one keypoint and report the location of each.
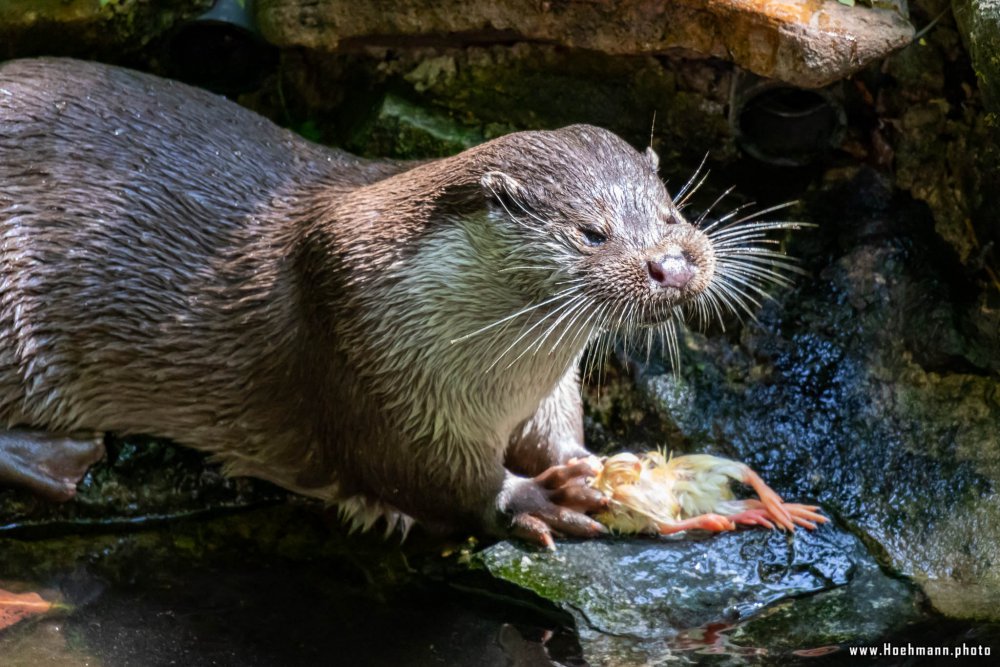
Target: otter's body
(173, 264)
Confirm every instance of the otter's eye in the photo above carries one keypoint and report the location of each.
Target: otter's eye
(592, 237)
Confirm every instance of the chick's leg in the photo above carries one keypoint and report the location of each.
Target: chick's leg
(713, 522)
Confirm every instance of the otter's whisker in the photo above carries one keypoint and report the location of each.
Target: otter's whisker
(626, 312)
(705, 304)
(749, 240)
(766, 259)
(750, 281)
(571, 281)
(680, 196)
(627, 326)
(496, 196)
(525, 333)
(718, 303)
(673, 350)
(705, 213)
(698, 309)
(748, 231)
(737, 282)
(754, 216)
(758, 278)
(528, 309)
(667, 345)
(759, 253)
(605, 356)
(649, 344)
(596, 320)
(526, 268)
(531, 214)
(570, 326)
(764, 266)
(737, 229)
(731, 296)
(603, 328)
(577, 304)
(603, 348)
(527, 211)
(727, 217)
(766, 271)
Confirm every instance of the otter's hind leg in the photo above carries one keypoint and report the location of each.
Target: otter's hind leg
(47, 464)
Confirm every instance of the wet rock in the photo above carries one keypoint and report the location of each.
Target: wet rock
(276, 586)
(863, 391)
(107, 28)
(640, 600)
(944, 149)
(808, 45)
(536, 86)
(947, 156)
(142, 480)
(401, 129)
(979, 21)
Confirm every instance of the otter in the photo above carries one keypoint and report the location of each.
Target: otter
(400, 339)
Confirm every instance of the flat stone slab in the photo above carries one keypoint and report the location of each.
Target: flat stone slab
(638, 600)
(808, 44)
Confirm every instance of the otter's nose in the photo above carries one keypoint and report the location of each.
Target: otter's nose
(671, 270)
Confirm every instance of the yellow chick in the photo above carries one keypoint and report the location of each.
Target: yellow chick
(655, 494)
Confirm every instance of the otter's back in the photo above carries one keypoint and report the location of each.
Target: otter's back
(136, 217)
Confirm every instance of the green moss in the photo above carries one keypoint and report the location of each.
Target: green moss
(401, 129)
(105, 28)
(536, 87)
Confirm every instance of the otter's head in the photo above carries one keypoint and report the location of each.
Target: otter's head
(601, 220)
(606, 243)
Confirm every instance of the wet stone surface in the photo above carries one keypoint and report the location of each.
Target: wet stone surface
(809, 44)
(270, 587)
(643, 599)
(140, 481)
(863, 391)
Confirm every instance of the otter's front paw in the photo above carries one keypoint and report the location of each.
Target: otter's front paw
(556, 501)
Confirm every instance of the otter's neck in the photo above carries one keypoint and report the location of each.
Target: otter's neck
(420, 276)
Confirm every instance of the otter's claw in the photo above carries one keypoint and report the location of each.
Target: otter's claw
(540, 525)
(566, 485)
(555, 502)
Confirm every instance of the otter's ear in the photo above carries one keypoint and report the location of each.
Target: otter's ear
(504, 190)
(652, 158)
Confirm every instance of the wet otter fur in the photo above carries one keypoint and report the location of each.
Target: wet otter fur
(400, 339)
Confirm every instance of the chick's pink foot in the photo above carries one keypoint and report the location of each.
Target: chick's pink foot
(554, 503)
(770, 500)
(771, 509)
(806, 516)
